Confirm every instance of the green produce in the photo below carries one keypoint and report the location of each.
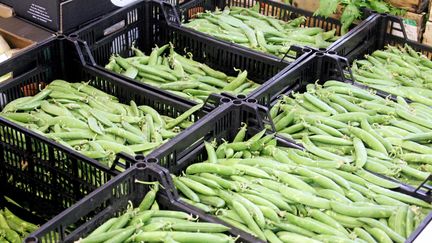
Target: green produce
(94, 123)
(248, 27)
(179, 75)
(154, 225)
(400, 71)
(278, 195)
(351, 9)
(12, 228)
(359, 130)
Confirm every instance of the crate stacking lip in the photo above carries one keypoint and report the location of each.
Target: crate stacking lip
(40, 171)
(146, 24)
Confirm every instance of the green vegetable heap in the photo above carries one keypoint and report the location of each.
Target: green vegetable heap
(283, 194)
(93, 122)
(343, 123)
(148, 223)
(399, 71)
(179, 75)
(12, 228)
(249, 28)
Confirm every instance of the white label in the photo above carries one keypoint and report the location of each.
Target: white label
(122, 3)
(40, 13)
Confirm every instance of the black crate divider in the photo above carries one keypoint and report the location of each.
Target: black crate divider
(149, 23)
(383, 29)
(279, 10)
(45, 176)
(109, 201)
(318, 66)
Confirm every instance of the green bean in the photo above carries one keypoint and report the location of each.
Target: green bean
(312, 225)
(290, 237)
(247, 218)
(399, 196)
(302, 197)
(376, 224)
(360, 211)
(368, 139)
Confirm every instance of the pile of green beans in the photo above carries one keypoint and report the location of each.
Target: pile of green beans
(148, 223)
(247, 27)
(360, 129)
(400, 71)
(281, 194)
(12, 228)
(179, 75)
(93, 122)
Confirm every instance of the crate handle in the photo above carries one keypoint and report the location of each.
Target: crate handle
(424, 185)
(164, 178)
(342, 66)
(215, 100)
(398, 20)
(127, 161)
(83, 50)
(298, 50)
(260, 112)
(170, 13)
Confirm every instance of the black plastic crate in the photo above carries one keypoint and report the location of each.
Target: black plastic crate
(109, 201)
(382, 30)
(176, 156)
(35, 171)
(186, 149)
(277, 9)
(146, 24)
(319, 68)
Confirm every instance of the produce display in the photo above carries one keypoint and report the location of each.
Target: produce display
(180, 75)
(399, 71)
(331, 162)
(93, 122)
(358, 129)
(12, 228)
(148, 223)
(283, 194)
(247, 27)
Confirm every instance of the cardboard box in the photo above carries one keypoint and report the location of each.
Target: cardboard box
(22, 35)
(414, 26)
(416, 6)
(63, 16)
(430, 10)
(6, 11)
(427, 36)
